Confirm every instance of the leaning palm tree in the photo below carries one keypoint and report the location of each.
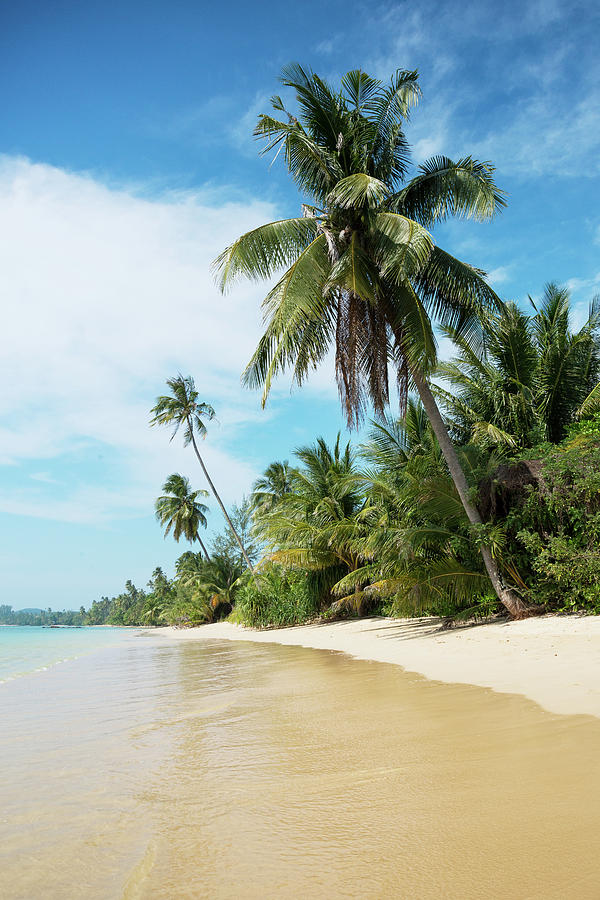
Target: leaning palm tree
(183, 408)
(179, 511)
(362, 272)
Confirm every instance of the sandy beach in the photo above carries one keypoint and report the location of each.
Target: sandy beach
(553, 660)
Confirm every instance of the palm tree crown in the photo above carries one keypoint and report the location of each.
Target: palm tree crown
(362, 270)
(529, 379)
(179, 510)
(273, 484)
(314, 522)
(182, 408)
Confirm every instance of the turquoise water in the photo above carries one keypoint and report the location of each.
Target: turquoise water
(27, 649)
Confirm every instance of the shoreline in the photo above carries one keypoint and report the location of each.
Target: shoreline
(552, 660)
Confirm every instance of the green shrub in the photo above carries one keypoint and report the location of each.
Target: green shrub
(275, 597)
(191, 607)
(555, 531)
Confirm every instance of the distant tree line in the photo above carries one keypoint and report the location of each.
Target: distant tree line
(10, 616)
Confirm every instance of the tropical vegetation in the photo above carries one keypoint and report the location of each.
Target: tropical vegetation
(482, 495)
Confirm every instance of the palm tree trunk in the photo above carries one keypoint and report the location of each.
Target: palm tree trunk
(204, 550)
(220, 502)
(513, 603)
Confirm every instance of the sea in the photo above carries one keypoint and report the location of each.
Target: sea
(135, 765)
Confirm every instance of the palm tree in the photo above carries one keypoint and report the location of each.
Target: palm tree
(317, 523)
(361, 269)
(183, 408)
(569, 366)
(160, 596)
(219, 583)
(493, 397)
(531, 377)
(211, 585)
(179, 510)
(189, 567)
(267, 490)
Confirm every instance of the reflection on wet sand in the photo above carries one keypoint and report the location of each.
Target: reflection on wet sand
(253, 771)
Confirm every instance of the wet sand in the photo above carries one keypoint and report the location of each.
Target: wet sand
(234, 770)
(553, 660)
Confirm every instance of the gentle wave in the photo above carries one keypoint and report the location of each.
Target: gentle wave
(28, 650)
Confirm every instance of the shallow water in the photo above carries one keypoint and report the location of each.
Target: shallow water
(158, 769)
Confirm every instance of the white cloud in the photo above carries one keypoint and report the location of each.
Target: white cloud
(499, 275)
(106, 294)
(532, 144)
(577, 285)
(326, 47)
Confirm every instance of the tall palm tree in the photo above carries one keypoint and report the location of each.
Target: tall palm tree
(183, 408)
(361, 269)
(179, 510)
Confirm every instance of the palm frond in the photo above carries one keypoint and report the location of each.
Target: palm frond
(591, 404)
(454, 293)
(358, 190)
(297, 327)
(259, 253)
(401, 246)
(443, 188)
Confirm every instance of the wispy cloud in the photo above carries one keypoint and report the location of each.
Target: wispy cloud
(241, 131)
(327, 46)
(499, 275)
(515, 83)
(578, 285)
(44, 477)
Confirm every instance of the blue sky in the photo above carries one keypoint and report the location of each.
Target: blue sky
(127, 164)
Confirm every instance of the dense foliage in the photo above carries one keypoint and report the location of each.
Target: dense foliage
(529, 378)
(554, 527)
